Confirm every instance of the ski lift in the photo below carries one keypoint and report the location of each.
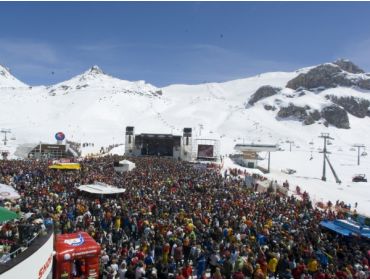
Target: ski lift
(352, 149)
(311, 158)
(311, 143)
(364, 154)
(329, 142)
(13, 138)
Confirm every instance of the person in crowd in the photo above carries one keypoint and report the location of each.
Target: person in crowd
(176, 219)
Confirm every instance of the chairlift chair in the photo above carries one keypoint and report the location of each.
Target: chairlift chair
(359, 178)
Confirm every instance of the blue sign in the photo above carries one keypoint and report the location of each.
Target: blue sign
(60, 136)
(75, 241)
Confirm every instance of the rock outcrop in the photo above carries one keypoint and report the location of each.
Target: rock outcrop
(299, 113)
(348, 66)
(356, 106)
(364, 84)
(331, 75)
(293, 111)
(322, 76)
(335, 116)
(312, 117)
(269, 107)
(263, 92)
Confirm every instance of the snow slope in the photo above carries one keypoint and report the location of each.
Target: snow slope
(7, 80)
(95, 108)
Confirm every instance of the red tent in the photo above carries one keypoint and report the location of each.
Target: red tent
(77, 256)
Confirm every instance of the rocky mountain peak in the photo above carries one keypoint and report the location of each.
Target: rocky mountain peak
(341, 73)
(92, 74)
(96, 70)
(348, 66)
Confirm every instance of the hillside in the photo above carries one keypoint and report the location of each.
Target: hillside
(269, 108)
(7, 80)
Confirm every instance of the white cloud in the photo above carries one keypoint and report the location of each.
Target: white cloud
(35, 62)
(38, 52)
(98, 47)
(198, 62)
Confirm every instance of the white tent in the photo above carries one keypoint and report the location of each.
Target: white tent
(8, 192)
(100, 188)
(125, 166)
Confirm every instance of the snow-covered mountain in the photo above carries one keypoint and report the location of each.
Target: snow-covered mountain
(268, 108)
(96, 79)
(7, 80)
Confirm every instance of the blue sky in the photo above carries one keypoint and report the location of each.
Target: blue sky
(178, 42)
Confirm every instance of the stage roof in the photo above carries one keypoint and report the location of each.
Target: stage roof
(100, 188)
(156, 135)
(256, 147)
(346, 228)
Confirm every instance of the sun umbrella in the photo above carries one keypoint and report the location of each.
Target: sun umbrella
(8, 192)
(6, 215)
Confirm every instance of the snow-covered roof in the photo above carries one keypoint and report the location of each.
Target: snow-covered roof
(256, 147)
(100, 188)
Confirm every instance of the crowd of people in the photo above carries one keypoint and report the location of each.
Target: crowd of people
(177, 221)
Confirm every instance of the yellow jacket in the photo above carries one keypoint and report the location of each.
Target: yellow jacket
(272, 264)
(312, 265)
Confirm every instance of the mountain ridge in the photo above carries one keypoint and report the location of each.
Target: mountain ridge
(100, 97)
(95, 77)
(94, 72)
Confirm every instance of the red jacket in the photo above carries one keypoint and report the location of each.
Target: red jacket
(187, 271)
